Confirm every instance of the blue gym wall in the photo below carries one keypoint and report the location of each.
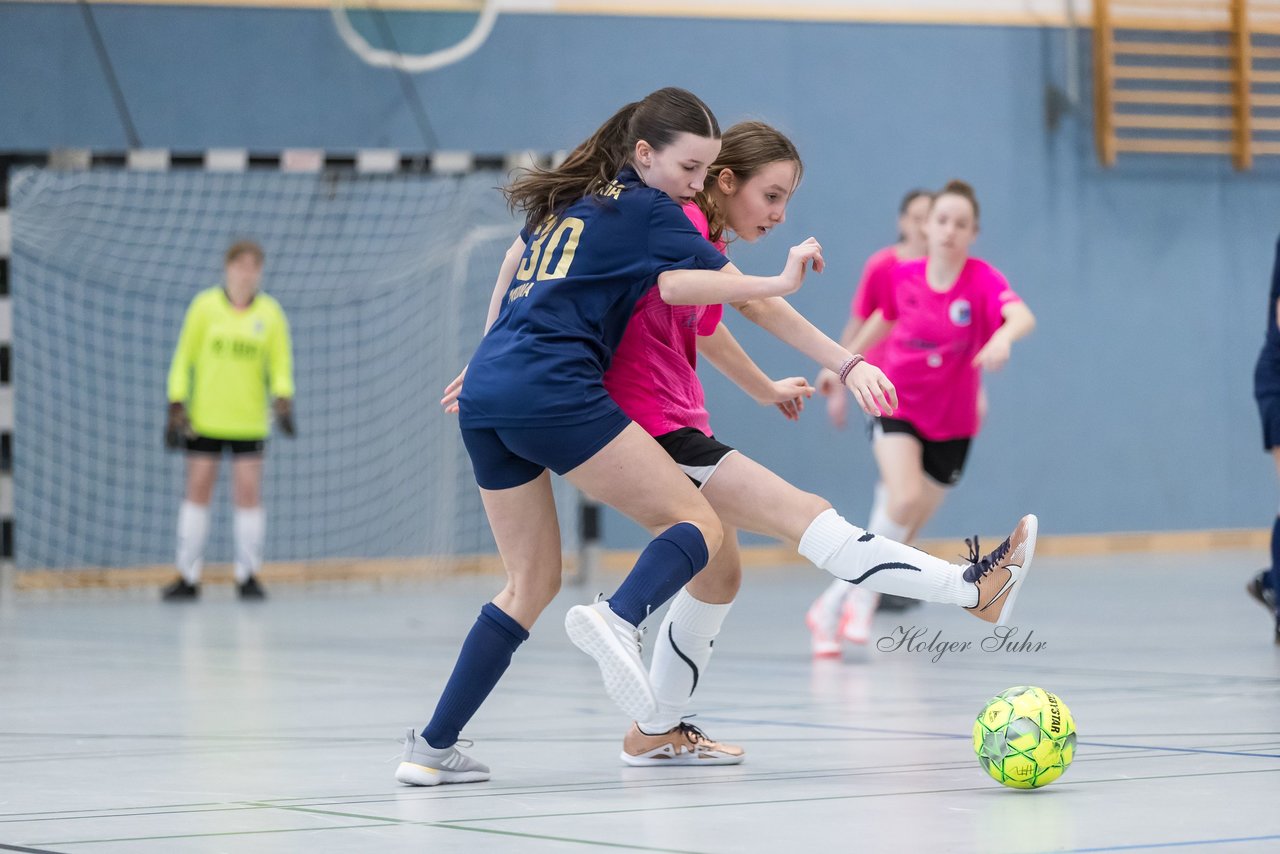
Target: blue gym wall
(1130, 407)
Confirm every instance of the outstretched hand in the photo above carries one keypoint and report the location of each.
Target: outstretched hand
(994, 355)
(872, 389)
(799, 260)
(789, 396)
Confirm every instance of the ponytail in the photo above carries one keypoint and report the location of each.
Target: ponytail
(658, 118)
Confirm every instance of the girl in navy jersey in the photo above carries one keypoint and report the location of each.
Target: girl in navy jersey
(600, 231)
(1266, 390)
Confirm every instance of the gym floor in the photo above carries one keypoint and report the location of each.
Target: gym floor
(128, 725)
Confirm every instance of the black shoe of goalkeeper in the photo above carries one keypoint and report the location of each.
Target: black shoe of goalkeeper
(889, 602)
(180, 591)
(251, 589)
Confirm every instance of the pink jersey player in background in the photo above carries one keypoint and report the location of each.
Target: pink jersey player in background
(944, 319)
(874, 289)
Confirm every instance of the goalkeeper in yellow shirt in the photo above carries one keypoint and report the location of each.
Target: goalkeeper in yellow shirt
(232, 353)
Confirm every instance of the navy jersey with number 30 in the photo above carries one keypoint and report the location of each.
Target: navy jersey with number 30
(542, 362)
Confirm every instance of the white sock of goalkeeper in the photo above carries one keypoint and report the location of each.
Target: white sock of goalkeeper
(681, 653)
(249, 528)
(883, 565)
(193, 530)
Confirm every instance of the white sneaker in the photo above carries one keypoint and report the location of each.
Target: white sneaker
(424, 765)
(998, 576)
(824, 643)
(859, 610)
(685, 744)
(615, 645)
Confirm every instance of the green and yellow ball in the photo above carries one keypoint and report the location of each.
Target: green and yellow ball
(1025, 737)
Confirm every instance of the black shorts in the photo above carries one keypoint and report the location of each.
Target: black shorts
(943, 461)
(238, 447)
(697, 454)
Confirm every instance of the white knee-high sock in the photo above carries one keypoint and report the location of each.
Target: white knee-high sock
(832, 600)
(193, 530)
(883, 565)
(883, 524)
(249, 527)
(680, 656)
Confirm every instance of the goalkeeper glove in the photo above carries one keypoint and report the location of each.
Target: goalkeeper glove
(178, 427)
(284, 416)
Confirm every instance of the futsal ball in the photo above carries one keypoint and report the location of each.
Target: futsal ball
(1025, 737)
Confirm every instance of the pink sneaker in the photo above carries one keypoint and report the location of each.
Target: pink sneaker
(856, 616)
(825, 643)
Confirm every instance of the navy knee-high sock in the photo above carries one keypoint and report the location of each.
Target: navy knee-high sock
(485, 655)
(668, 563)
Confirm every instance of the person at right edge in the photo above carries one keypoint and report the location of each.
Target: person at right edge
(1266, 390)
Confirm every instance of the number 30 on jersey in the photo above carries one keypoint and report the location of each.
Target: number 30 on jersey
(549, 256)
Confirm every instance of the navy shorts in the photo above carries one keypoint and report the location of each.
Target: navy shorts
(943, 461)
(505, 457)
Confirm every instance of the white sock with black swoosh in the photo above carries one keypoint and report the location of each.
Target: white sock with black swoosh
(681, 653)
(883, 565)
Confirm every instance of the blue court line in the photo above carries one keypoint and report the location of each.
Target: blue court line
(1183, 844)
(954, 736)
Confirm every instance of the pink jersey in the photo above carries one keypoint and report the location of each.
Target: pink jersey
(929, 354)
(874, 290)
(652, 375)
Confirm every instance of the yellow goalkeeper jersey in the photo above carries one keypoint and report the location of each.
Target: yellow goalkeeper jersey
(226, 361)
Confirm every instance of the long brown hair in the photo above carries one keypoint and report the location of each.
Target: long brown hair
(658, 119)
(745, 148)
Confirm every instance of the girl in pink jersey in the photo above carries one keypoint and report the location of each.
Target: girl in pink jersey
(948, 317)
(652, 377)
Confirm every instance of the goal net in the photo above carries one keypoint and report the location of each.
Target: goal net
(385, 279)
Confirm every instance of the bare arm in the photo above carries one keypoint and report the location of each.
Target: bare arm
(505, 274)
(874, 330)
(873, 391)
(728, 284)
(858, 336)
(1018, 323)
(776, 316)
(723, 350)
